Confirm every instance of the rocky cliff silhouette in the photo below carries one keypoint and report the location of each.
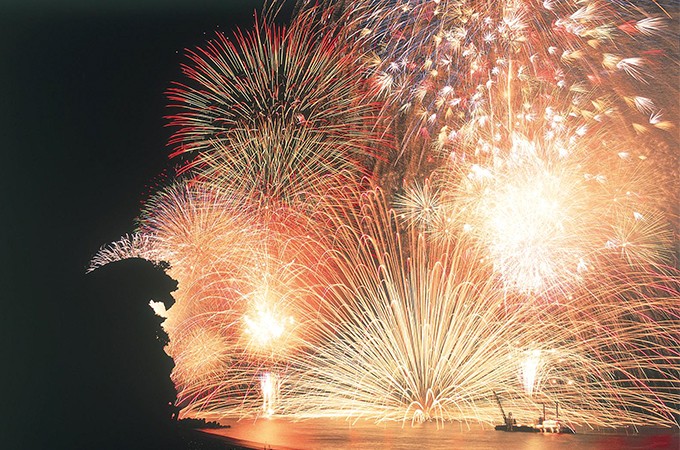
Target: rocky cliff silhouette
(120, 373)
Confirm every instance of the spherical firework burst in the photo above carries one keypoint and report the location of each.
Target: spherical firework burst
(419, 206)
(193, 226)
(275, 114)
(535, 216)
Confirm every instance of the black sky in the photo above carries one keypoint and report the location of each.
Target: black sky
(82, 138)
(82, 117)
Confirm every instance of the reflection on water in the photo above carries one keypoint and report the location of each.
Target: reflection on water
(337, 434)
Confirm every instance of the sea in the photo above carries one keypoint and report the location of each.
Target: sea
(328, 434)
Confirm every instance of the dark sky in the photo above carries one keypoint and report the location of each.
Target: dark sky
(82, 138)
(82, 113)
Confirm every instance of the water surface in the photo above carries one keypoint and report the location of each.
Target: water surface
(326, 434)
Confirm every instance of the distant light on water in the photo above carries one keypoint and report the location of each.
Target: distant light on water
(270, 388)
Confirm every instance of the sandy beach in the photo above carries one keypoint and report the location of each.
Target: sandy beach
(209, 439)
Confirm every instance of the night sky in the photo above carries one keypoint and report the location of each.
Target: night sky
(83, 141)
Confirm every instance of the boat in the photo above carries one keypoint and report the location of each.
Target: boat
(517, 428)
(554, 426)
(543, 426)
(511, 423)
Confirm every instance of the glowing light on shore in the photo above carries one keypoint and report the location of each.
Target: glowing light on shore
(270, 388)
(529, 370)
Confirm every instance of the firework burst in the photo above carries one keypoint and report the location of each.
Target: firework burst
(129, 246)
(275, 114)
(455, 74)
(518, 239)
(412, 330)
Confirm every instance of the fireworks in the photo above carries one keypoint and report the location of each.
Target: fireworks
(530, 370)
(516, 239)
(276, 114)
(544, 218)
(270, 388)
(129, 246)
(414, 330)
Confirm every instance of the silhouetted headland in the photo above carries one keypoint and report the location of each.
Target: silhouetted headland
(123, 392)
(106, 383)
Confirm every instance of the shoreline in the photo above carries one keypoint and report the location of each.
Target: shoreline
(213, 435)
(280, 435)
